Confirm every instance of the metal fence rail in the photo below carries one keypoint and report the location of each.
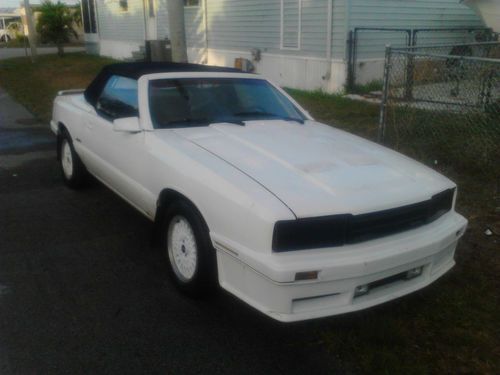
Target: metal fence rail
(442, 104)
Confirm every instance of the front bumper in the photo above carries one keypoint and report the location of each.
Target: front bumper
(267, 282)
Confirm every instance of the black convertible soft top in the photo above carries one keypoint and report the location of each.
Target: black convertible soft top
(135, 70)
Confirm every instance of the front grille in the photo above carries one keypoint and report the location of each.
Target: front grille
(338, 230)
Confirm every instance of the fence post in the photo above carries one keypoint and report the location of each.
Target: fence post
(486, 91)
(410, 67)
(385, 95)
(350, 62)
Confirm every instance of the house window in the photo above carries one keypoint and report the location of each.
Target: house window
(191, 3)
(123, 5)
(291, 24)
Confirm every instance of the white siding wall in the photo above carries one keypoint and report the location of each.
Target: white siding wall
(232, 24)
(235, 27)
(244, 24)
(291, 18)
(339, 29)
(162, 15)
(195, 26)
(116, 24)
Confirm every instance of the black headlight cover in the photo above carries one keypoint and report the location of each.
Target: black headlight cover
(338, 230)
(315, 232)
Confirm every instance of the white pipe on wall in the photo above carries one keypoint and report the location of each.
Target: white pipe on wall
(205, 22)
(328, 48)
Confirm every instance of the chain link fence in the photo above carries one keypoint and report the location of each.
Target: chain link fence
(441, 104)
(365, 48)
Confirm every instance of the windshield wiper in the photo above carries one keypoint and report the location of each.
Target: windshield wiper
(268, 114)
(184, 121)
(197, 121)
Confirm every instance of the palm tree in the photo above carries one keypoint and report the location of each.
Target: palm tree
(55, 24)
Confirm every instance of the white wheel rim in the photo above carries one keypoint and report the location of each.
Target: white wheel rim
(182, 248)
(67, 159)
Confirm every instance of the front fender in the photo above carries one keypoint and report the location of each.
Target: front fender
(233, 205)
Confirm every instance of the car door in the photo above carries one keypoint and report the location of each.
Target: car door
(118, 158)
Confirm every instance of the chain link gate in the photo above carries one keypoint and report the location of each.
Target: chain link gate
(441, 104)
(365, 47)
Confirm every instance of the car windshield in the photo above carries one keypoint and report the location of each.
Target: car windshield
(202, 101)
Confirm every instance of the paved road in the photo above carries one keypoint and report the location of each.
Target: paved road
(82, 291)
(7, 53)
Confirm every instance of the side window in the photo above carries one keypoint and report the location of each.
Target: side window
(119, 98)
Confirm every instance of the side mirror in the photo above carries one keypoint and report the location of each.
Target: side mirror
(127, 125)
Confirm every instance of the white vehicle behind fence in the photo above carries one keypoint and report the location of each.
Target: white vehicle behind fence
(4, 35)
(296, 218)
(8, 30)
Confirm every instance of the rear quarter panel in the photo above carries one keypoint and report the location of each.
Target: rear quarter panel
(69, 111)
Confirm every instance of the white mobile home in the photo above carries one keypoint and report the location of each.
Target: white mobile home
(297, 43)
(489, 10)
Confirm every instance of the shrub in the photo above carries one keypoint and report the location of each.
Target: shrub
(56, 24)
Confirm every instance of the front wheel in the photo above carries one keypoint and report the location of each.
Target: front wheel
(189, 252)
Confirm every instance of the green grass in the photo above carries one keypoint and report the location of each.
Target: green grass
(36, 85)
(13, 43)
(22, 42)
(375, 85)
(452, 326)
(334, 109)
(466, 142)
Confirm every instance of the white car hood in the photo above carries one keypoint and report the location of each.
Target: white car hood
(317, 170)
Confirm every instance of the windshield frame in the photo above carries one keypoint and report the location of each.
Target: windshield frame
(143, 86)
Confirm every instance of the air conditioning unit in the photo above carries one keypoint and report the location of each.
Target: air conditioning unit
(158, 50)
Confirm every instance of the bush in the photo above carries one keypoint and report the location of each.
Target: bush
(55, 24)
(21, 39)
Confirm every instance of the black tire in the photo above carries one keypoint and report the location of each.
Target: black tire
(204, 273)
(76, 176)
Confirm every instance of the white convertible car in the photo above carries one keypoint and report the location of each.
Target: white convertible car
(298, 219)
